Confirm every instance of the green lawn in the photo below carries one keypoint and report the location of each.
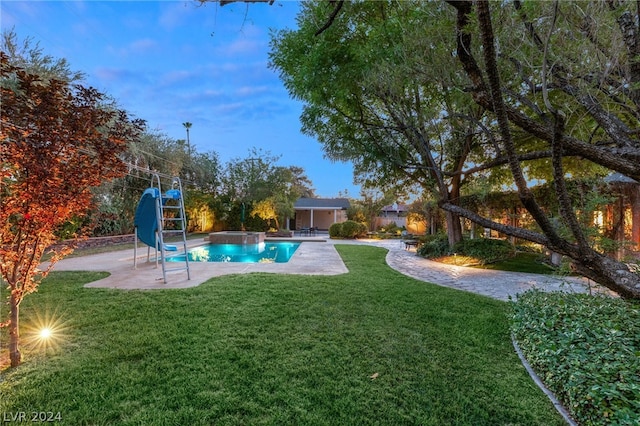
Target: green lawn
(368, 347)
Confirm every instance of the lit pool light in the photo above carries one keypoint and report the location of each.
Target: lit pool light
(271, 252)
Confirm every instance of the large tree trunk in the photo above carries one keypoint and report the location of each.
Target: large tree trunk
(454, 228)
(593, 265)
(610, 273)
(606, 271)
(14, 332)
(454, 225)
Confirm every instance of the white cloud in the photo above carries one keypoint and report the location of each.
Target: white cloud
(141, 46)
(229, 108)
(177, 77)
(175, 14)
(251, 90)
(244, 47)
(119, 76)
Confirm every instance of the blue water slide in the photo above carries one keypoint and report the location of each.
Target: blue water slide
(146, 219)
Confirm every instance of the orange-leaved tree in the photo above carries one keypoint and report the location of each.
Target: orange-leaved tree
(57, 141)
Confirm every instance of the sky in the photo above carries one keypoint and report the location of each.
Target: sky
(170, 62)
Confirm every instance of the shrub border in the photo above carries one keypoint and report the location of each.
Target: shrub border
(536, 379)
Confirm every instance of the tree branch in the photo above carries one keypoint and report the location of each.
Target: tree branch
(332, 17)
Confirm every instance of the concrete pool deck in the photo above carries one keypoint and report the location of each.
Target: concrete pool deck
(318, 256)
(314, 257)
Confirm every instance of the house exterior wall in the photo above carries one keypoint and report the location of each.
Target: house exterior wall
(412, 227)
(321, 219)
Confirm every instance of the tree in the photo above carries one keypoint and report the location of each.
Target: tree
(610, 112)
(301, 186)
(425, 211)
(28, 55)
(371, 204)
(206, 172)
(372, 100)
(258, 178)
(246, 180)
(582, 56)
(287, 185)
(266, 210)
(187, 127)
(56, 144)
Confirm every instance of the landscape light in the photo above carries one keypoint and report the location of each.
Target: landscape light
(45, 330)
(46, 333)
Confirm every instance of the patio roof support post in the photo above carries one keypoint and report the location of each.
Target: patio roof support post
(311, 225)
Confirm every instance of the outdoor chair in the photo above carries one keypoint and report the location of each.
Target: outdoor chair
(409, 241)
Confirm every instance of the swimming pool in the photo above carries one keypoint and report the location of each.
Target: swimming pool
(271, 252)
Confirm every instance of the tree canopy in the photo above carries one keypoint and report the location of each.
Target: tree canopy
(478, 96)
(57, 142)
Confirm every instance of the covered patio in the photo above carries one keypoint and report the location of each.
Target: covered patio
(319, 213)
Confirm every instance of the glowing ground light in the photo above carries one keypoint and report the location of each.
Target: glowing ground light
(45, 333)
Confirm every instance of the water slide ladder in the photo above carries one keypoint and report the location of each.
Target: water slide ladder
(160, 215)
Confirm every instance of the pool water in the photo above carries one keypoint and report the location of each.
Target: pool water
(272, 252)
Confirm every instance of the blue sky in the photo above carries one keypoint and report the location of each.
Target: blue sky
(169, 62)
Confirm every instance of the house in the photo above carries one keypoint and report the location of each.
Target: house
(621, 218)
(399, 214)
(319, 213)
(617, 219)
(393, 213)
(394, 210)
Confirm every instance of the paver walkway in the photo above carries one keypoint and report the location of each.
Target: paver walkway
(499, 285)
(321, 258)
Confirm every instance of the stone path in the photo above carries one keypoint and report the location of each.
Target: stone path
(320, 257)
(499, 285)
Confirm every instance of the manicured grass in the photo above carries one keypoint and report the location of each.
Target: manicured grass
(368, 347)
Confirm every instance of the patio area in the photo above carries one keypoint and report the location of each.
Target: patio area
(318, 256)
(312, 258)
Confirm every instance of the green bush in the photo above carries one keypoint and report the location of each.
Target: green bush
(434, 246)
(335, 230)
(530, 247)
(69, 229)
(391, 228)
(587, 351)
(487, 250)
(352, 229)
